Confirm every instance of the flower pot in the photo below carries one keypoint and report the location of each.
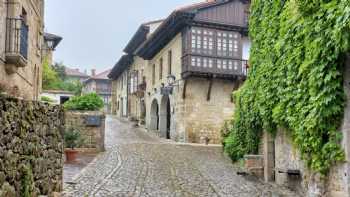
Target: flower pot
(71, 155)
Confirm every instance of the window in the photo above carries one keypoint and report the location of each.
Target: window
(122, 82)
(161, 68)
(196, 40)
(170, 62)
(133, 81)
(154, 74)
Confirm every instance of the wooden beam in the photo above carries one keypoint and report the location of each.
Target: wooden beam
(209, 88)
(184, 90)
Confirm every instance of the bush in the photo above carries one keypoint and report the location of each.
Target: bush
(86, 102)
(72, 138)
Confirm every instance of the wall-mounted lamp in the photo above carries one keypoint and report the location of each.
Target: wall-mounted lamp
(172, 82)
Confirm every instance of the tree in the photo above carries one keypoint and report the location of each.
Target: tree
(60, 70)
(50, 77)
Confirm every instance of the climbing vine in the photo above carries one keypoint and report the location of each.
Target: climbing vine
(295, 80)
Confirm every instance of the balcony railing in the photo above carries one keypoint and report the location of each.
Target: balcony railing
(220, 67)
(16, 41)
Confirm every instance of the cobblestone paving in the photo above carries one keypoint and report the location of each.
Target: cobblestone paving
(138, 164)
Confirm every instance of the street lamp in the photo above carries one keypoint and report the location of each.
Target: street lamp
(50, 44)
(171, 80)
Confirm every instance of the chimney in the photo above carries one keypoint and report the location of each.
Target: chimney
(93, 72)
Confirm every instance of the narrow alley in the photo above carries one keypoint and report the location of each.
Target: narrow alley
(139, 164)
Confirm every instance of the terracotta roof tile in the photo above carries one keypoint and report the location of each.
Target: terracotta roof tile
(196, 5)
(102, 75)
(75, 72)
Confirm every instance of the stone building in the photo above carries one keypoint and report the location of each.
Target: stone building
(74, 75)
(101, 85)
(21, 47)
(184, 72)
(129, 77)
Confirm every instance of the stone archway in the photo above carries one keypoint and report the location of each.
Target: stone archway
(154, 125)
(165, 117)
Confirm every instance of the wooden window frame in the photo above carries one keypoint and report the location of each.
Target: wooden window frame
(170, 62)
(154, 74)
(160, 68)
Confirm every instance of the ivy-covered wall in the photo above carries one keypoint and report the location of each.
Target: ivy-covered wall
(295, 79)
(31, 148)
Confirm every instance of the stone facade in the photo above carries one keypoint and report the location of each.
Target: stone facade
(22, 77)
(137, 110)
(193, 117)
(201, 100)
(31, 148)
(120, 95)
(93, 136)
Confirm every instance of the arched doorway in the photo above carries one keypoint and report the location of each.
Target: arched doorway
(154, 125)
(165, 117)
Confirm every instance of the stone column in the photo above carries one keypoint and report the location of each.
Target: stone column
(269, 157)
(163, 124)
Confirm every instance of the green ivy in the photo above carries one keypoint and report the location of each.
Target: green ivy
(27, 181)
(295, 79)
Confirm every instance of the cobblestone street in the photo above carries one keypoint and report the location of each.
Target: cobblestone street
(139, 164)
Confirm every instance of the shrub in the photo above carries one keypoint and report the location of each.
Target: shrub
(86, 102)
(72, 138)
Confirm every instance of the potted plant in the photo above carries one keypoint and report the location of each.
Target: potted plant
(72, 139)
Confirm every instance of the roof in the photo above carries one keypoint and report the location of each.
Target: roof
(140, 36)
(75, 73)
(197, 5)
(120, 66)
(136, 41)
(57, 92)
(101, 76)
(173, 24)
(52, 37)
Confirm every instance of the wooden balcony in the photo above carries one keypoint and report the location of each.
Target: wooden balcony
(139, 90)
(206, 66)
(16, 50)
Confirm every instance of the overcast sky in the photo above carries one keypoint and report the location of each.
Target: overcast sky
(96, 31)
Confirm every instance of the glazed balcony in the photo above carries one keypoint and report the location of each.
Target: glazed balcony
(205, 66)
(16, 49)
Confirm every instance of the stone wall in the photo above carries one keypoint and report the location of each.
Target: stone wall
(287, 156)
(31, 148)
(205, 118)
(93, 136)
